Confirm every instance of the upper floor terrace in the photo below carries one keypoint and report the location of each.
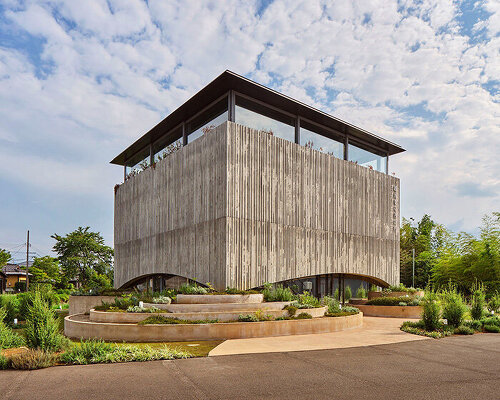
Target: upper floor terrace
(231, 97)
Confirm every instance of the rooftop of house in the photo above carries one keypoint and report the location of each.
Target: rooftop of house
(230, 84)
(13, 269)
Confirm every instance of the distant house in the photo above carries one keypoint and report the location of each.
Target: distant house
(3, 282)
(14, 273)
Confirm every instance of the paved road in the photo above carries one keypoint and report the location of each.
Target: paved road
(450, 368)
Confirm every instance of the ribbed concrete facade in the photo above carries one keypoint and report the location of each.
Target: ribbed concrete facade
(239, 208)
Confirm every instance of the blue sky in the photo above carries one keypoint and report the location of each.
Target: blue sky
(79, 81)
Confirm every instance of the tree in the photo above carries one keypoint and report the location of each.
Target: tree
(84, 256)
(4, 257)
(427, 238)
(46, 270)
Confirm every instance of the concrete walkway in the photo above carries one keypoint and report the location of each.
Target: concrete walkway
(375, 331)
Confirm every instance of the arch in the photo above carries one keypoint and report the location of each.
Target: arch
(158, 281)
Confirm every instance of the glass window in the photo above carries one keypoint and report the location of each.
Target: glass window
(168, 144)
(316, 141)
(259, 117)
(367, 158)
(138, 163)
(208, 120)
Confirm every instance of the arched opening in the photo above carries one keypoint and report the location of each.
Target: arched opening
(334, 284)
(157, 282)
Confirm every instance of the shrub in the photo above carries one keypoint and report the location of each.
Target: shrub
(263, 317)
(361, 293)
(478, 304)
(454, 308)
(307, 300)
(8, 338)
(42, 328)
(476, 325)
(492, 328)
(96, 351)
(162, 300)
(336, 294)
(389, 301)
(332, 304)
(402, 304)
(11, 304)
(304, 315)
(348, 293)
(463, 330)
(33, 359)
(277, 293)
(4, 362)
(431, 311)
(418, 328)
(291, 310)
(491, 321)
(349, 309)
(247, 318)
(187, 288)
(494, 303)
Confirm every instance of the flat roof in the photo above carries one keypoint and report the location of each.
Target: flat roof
(227, 81)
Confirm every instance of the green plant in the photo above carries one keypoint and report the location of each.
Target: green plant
(454, 307)
(277, 293)
(33, 359)
(160, 320)
(138, 309)
(336, 294)
(4, 362)
(8, 338)
(418, 328)
(95, 351)
(476, 325)
(361, 293)
(491, 321)
(187, 288)
(373, 288)
(11, 304)
(389, 301)
(494, 303)
(248, 318)
(463, 330)
(431, 313)
(291, 310)
(351, 310)
(162, 300)
(478, 304)
(42, 327)
(307, 300)
(332, 304)
(263, 317)
(347, 293)
(491, 328)
(304, 315)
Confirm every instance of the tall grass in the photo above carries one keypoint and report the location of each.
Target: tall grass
(454, 308)
(277, 293)
(431, 313)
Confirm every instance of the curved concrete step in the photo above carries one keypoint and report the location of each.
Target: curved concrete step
(243, 307)
(218, 298)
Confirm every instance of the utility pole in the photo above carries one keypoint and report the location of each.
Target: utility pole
(413, 264)
(27, 260)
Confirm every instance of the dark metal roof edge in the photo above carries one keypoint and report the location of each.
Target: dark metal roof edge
(143, 140)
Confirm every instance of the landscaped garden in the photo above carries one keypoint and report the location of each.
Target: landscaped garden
(448, 312)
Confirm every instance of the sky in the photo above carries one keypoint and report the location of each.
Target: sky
(81, 80)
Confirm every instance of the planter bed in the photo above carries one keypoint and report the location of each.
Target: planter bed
(79, 326)
(240, 307)
(222, 316)
(218, 298)
(391, 311)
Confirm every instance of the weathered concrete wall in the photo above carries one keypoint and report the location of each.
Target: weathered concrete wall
(239, 208)
(295, 212)
(171, 218)
(83, 304)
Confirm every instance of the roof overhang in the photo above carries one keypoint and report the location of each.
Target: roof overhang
(230, 81)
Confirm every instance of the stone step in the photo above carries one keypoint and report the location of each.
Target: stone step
(218, 298)
(243, 307)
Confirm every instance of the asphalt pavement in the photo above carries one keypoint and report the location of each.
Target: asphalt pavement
(458, 367)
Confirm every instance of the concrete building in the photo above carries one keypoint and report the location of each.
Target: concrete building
(242, 185)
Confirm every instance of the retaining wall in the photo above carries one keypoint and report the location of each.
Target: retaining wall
(391, 311)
